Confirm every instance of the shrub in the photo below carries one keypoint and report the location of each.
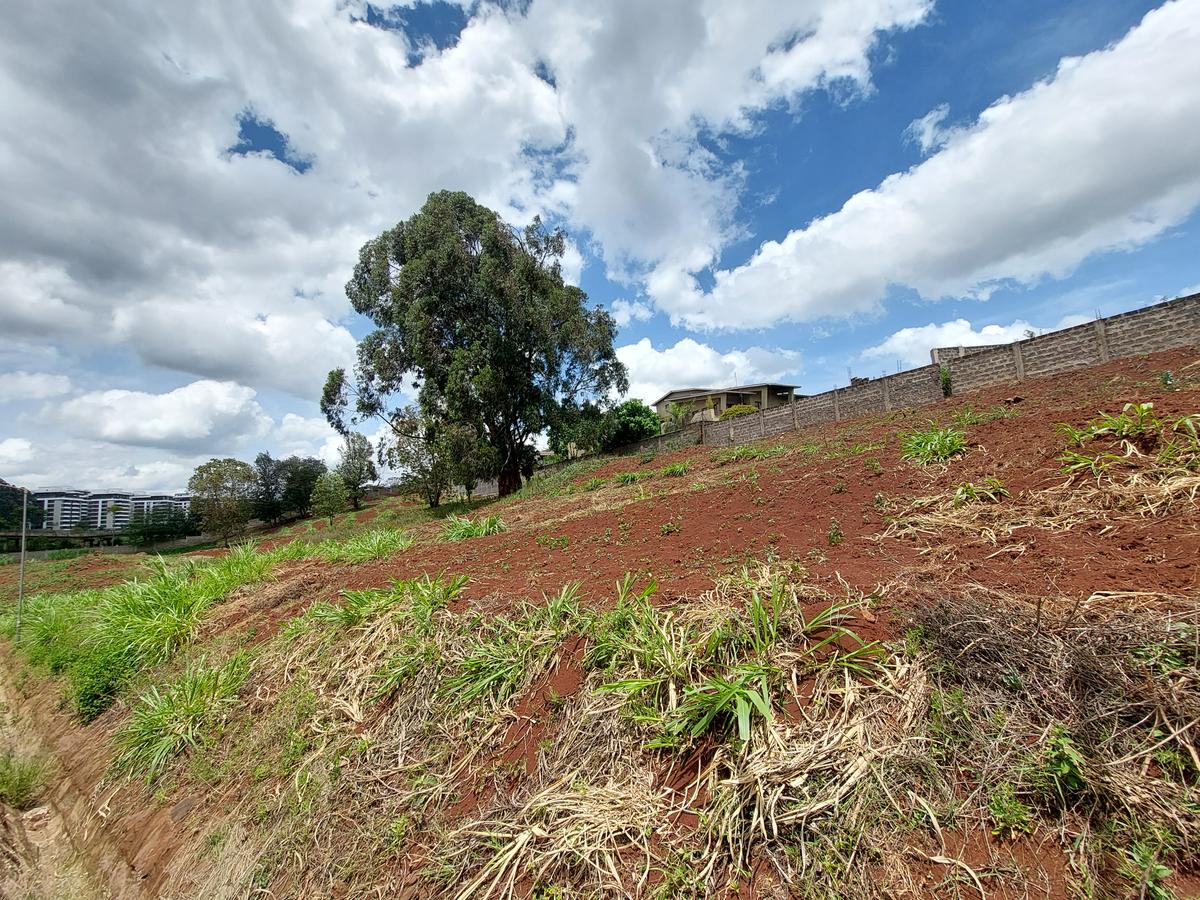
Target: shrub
(675, 470)
(933, 444)
(460, 528)
(21, 780)
(170, 720)
(738, 409)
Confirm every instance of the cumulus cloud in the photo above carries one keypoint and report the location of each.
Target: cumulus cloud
(17, 386)
(203, 415)
(1100, 156)
(308, 436)
(122, 226)
(626, 311)
(15, 453)
(911, 346)
(688, 363)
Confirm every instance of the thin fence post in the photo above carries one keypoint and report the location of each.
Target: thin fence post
(21, 573)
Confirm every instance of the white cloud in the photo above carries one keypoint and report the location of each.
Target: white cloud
(927, 132)
(301, 436)
(1101, 156)
(138, 229)
(639, 82)
(201, 416)
(14, 453)
(17, 386)
(626, 311)
(911, 346)
(688, 363)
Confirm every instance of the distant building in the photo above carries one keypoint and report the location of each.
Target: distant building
(707, 404)
(67, 508)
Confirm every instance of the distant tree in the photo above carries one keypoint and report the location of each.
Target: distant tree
(357, 466)
(329, 496)
(270, 474)
(163, 523)
(478, 315)
(300, 474)
(420, 450)
(585, 426)
(223, 496)
(10, 509)
(631, 421)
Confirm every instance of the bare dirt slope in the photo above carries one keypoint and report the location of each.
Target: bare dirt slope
(968, 687)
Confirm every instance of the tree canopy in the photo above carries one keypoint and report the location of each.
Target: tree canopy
(329, 496)
(476, 316)
(357, 466)
(593, 428)
(223, 496)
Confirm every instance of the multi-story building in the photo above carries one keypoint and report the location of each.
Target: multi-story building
(67, 508)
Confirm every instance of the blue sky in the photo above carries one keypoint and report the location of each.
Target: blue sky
(757, 191)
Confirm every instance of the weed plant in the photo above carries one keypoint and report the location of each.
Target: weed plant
(459, 528)
(934, 444)
(176, 717)
(99, 639)
(990, 491)
(21, 779)
(675, 470)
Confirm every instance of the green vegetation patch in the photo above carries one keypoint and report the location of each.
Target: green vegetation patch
(99, 639)
(933, 444)
(460, 528)
(21, 779)
(169, 719)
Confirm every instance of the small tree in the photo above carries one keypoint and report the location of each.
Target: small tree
(357, 468)
(300, 477)
(631, 421)
(329, 496)
(222, 495)
(419, 448)
(268, 492)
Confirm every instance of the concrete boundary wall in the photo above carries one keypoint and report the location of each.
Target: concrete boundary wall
(1163, 326)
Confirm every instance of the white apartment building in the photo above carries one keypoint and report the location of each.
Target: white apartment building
(67, 508)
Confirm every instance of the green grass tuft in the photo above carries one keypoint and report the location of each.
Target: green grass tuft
(932, 445)
(21, 780)
(176, 717)
(459, 528)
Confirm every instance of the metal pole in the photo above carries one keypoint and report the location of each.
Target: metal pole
(21, 574)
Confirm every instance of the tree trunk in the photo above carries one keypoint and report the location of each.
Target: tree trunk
(510, 476)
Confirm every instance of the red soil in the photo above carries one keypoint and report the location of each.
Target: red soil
(781, 507)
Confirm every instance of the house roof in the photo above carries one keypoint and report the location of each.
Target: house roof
(736, 389)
